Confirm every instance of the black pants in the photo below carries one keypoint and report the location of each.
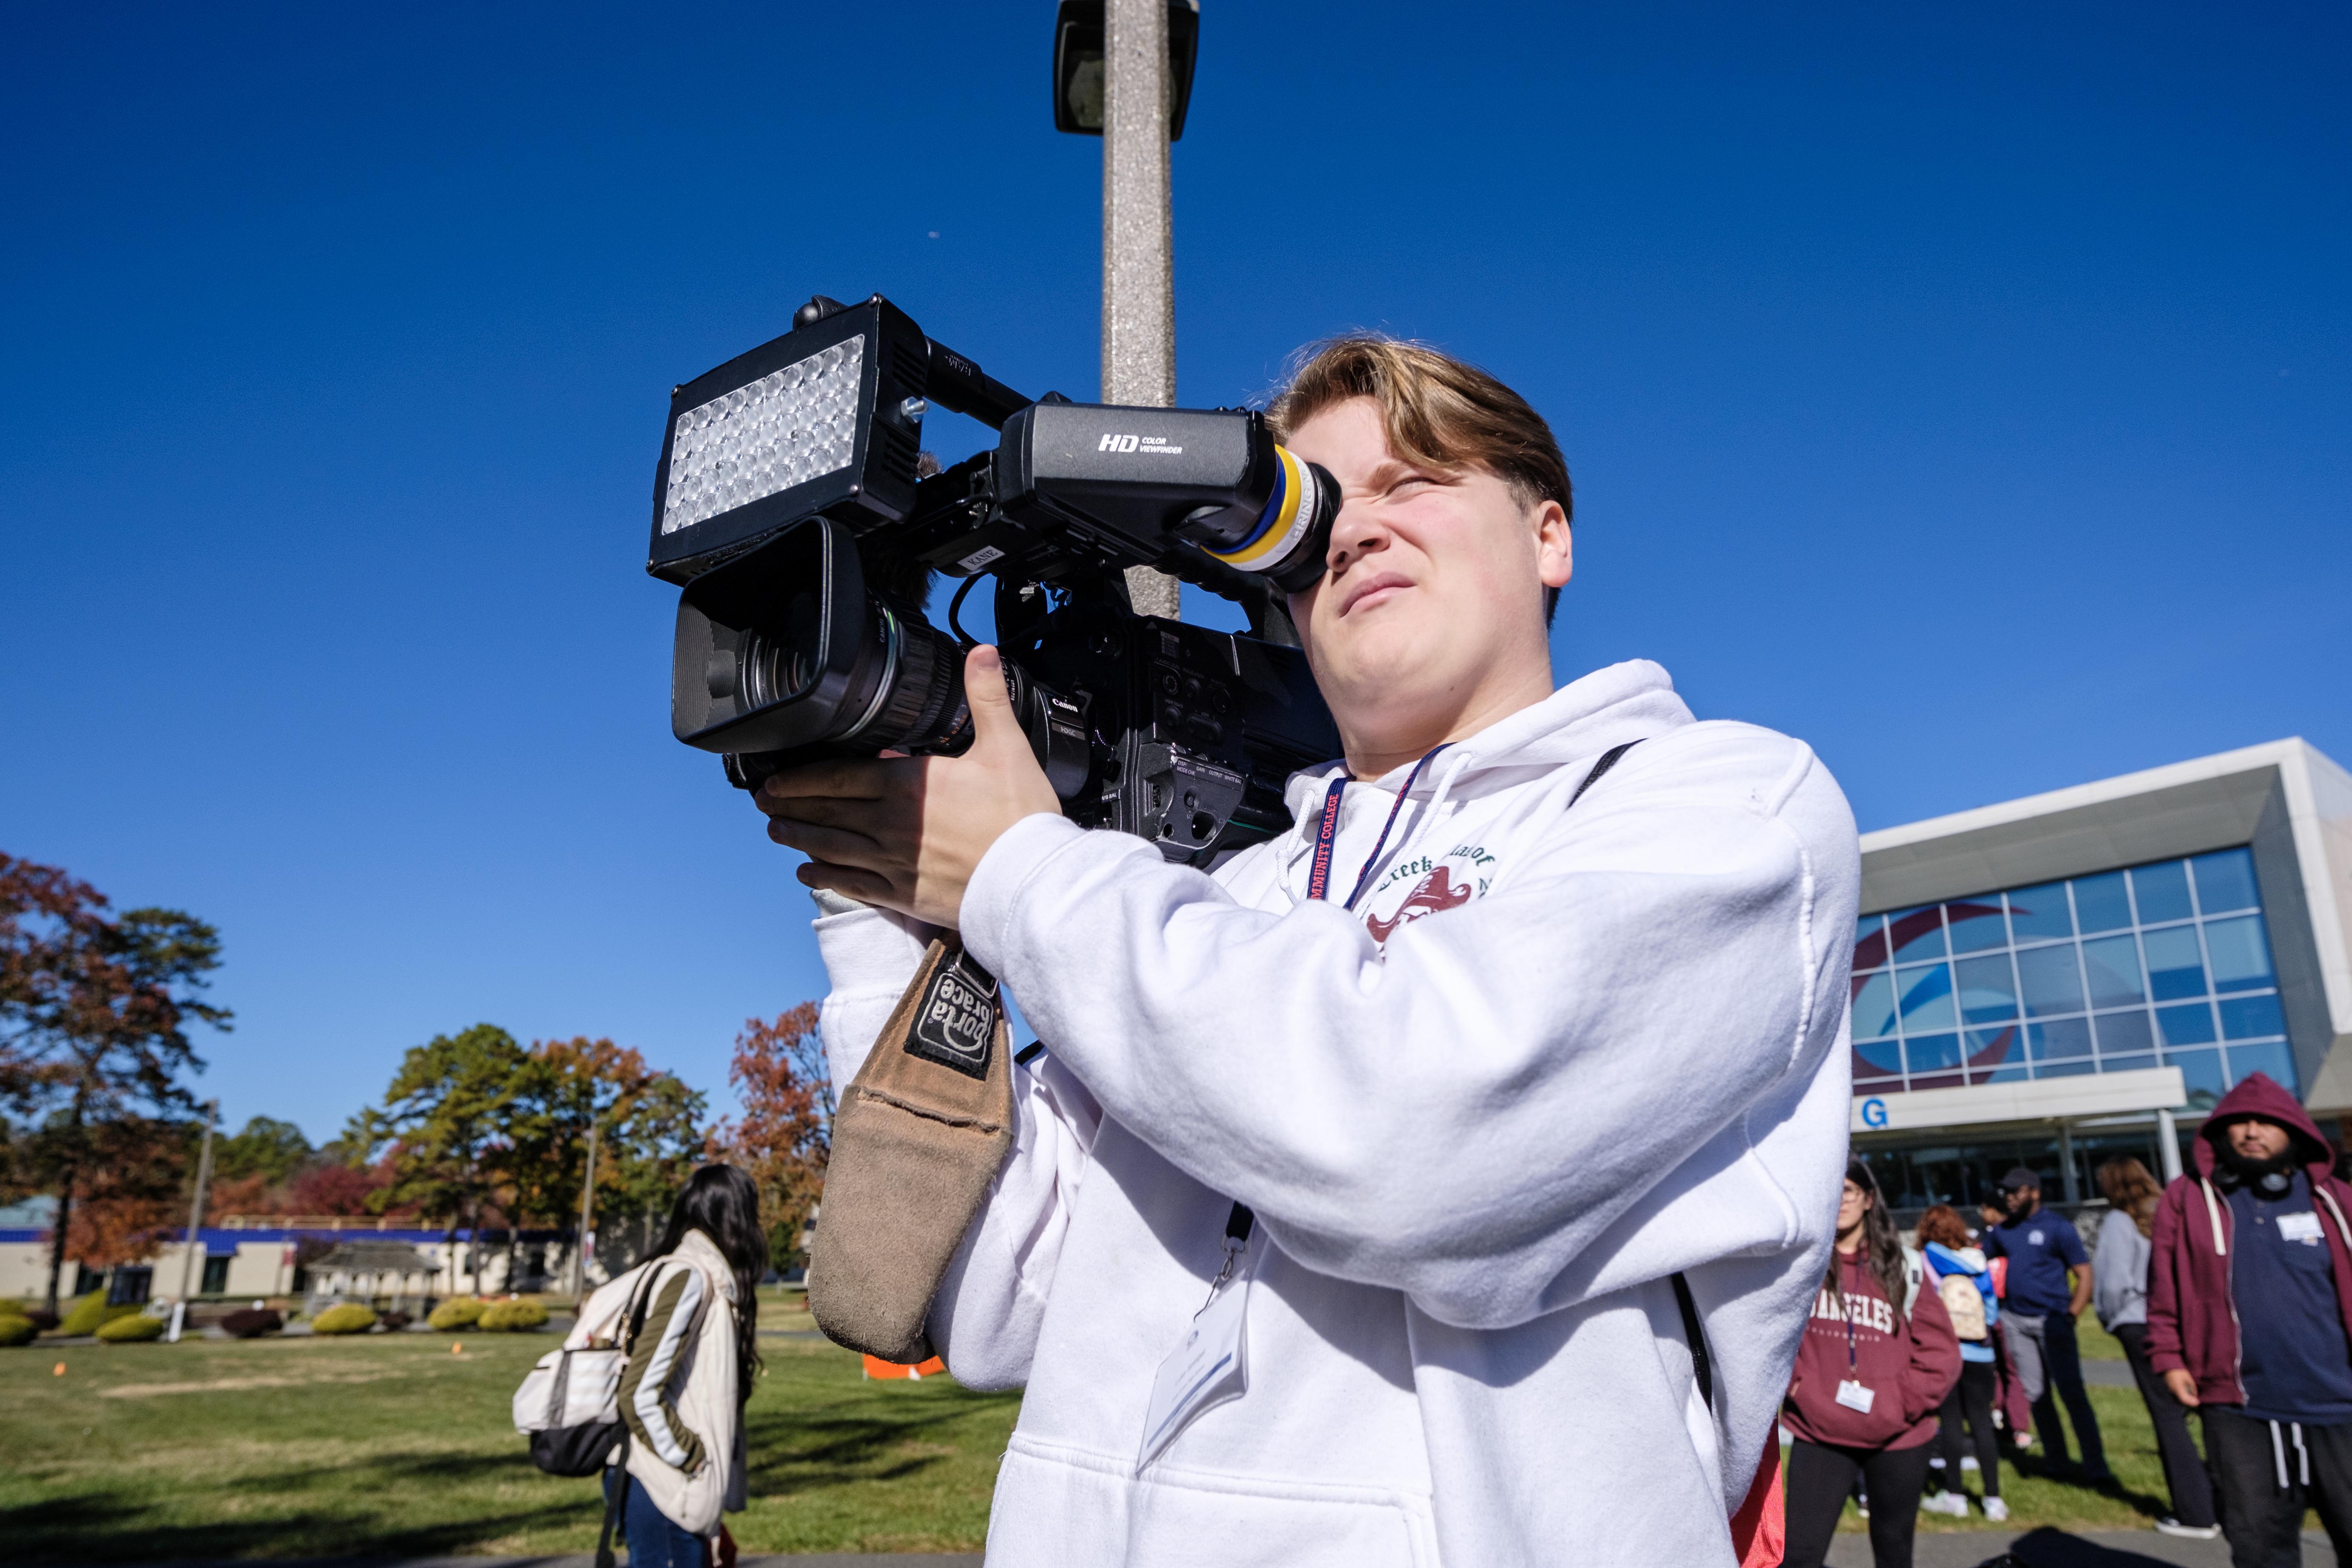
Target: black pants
(1819, 1479)
(1970, 1398)
(2184, 1471)
(2263, 1520)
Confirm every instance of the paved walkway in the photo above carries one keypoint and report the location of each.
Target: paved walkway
(2048, 1548)
(1974, 1548)
(587, 1559)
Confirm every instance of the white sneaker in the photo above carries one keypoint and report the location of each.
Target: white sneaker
(1996, 1509)
(1947, 1502)
(1969, 1462)
(2169, 1525)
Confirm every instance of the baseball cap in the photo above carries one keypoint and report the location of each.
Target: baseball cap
(2019, 1178)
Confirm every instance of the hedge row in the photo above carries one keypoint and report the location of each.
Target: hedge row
(464, 1313)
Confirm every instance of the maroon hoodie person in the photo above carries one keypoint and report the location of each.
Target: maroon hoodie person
(2192, 1324)
(1909, 1369)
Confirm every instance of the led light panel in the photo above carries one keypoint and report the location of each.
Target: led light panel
(788, 426)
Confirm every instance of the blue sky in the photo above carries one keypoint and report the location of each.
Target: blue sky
(1964, 390)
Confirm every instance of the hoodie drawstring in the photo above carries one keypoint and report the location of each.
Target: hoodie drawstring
(2278, 1453)
(2330, 1199)
(2213, 1213)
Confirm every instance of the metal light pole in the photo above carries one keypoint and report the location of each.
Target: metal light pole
(587, 1214)
(1138, 296)
(196, 1220)
(2167, 1146)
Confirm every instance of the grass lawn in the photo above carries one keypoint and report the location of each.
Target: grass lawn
(390, 1445)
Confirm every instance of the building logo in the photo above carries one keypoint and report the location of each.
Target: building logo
(1874, 1112)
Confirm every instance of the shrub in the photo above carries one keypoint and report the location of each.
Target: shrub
(513, 1317)
(91, 1311)
(251, 1323)
(16, 1331)
(457, 1312)
(136, 1328)
(350, 1318)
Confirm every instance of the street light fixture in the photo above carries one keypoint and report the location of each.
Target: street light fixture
(1078, 70)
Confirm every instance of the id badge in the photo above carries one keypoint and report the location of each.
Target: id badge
(1210, 1367)
(1854, 1396)
(2304, 1226)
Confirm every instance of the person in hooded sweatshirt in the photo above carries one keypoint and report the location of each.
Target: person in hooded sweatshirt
(1537, 1009)
(1879, 1358)
(2250, 1320)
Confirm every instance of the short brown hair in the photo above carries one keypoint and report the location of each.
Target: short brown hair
(1438, 413)
(1943, 1223)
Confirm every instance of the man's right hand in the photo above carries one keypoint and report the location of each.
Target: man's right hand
(2183, 1386)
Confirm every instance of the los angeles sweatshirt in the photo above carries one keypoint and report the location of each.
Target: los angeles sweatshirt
(1855, 1335)
(1552, 1058)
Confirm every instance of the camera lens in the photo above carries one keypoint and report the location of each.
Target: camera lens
(907, 692)
(777, 660)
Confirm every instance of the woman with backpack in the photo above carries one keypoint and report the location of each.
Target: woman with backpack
(2119, 1291)
(689, 1320)
(1875, 1363)
(1964, 1284)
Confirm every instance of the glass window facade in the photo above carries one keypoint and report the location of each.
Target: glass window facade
(2167, 965)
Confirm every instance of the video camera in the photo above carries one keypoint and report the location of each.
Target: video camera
(796, 506)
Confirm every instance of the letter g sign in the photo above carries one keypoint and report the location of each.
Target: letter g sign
(1874, 1112)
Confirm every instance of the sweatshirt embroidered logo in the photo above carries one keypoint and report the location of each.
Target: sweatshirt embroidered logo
(1433, 894)
(956, 1019)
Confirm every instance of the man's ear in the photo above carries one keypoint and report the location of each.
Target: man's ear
(1555, 545)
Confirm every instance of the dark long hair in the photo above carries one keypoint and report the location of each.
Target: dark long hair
(1882, 1246)
(723, 1204)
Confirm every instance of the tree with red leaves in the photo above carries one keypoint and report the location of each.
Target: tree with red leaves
(784, 1137)
(92, 1043)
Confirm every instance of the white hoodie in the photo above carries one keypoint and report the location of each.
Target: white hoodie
(1600, 1045)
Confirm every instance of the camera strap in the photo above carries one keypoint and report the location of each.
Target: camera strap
(920, 1135)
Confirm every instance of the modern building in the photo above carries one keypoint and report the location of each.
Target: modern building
(2075, 975)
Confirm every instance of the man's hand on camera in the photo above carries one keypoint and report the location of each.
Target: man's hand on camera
(907, 833)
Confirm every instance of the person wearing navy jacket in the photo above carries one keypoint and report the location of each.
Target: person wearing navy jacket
(2250, 1320)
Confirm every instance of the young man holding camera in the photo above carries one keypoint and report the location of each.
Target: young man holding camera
(1413, 1125)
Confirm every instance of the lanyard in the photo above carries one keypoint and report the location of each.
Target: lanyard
(1239, 1223)
(1845, 1302)
(1318, 875)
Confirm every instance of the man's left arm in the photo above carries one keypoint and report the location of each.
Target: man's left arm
(2079, 1259)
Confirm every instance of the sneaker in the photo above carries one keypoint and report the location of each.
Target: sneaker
(2169, 1525)
(1970, 1463)
(1947, 1502)
(1996, 1509)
